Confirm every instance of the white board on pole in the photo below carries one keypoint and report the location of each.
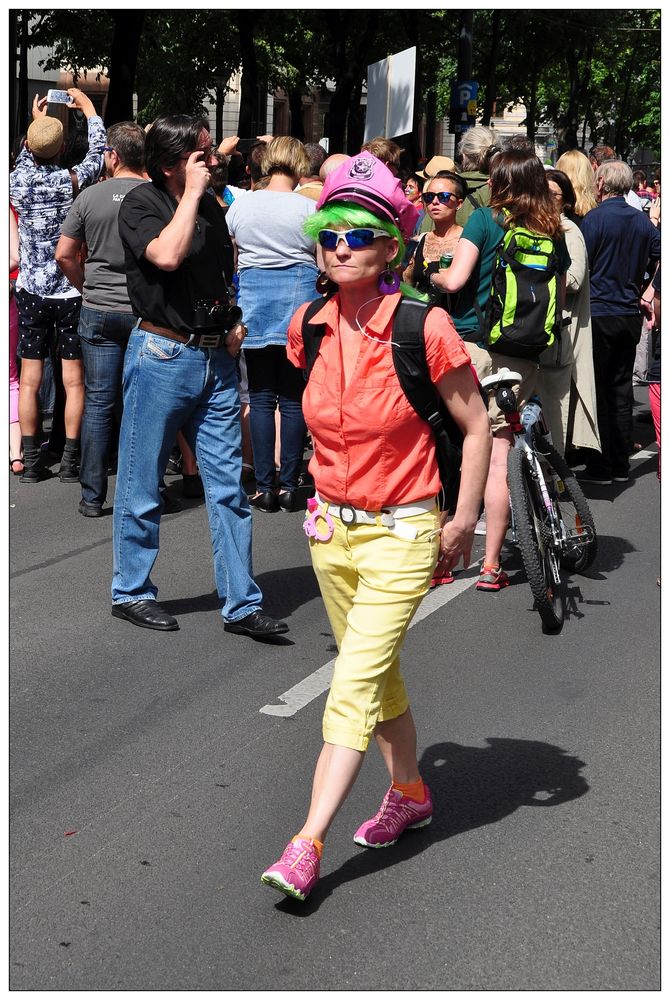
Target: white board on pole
(390, 95)
(400, 117)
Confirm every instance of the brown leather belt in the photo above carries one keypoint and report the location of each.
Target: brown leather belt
(198, 340)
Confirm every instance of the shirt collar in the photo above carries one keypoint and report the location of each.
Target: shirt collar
(330, 311)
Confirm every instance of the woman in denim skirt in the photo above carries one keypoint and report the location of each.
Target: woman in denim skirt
(277, 268)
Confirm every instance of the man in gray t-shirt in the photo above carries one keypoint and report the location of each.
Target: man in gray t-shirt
(106, 318)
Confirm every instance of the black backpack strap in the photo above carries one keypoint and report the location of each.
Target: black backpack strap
(417, 273)
(409, 358)
(312, 333)
(411, 366)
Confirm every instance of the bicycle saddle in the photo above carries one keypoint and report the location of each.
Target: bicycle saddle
(502, 377)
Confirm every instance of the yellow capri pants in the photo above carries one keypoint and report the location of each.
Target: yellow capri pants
(372, 582)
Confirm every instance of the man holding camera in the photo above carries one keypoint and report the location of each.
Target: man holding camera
(180, 373)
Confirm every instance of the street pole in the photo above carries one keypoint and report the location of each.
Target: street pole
(464, 71)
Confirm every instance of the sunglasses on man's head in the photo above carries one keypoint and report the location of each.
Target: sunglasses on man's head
(356, 239)
(444, 197)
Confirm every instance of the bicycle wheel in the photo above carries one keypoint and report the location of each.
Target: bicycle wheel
(576, 515)
(535, 540)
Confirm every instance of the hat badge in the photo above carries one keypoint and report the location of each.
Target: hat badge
(362, 168)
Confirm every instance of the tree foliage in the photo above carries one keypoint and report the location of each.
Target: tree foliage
(592, 65)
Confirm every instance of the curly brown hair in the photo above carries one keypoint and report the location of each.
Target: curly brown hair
(519, 188)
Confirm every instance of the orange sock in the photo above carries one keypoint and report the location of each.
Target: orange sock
(318, 846)
(415, 791)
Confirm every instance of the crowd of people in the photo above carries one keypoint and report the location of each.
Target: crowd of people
(224, 318)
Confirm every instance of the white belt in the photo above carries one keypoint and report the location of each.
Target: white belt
(388, 515)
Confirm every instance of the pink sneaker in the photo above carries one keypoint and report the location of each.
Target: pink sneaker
(397, 814)
(297, 871)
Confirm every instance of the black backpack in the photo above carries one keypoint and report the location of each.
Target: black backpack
(523, 315)
(409, 359)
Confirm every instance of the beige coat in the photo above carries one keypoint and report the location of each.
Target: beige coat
(566, 382)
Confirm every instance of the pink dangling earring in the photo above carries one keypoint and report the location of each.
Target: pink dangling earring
(388, 282)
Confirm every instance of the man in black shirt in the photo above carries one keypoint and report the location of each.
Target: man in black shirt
(180, 373)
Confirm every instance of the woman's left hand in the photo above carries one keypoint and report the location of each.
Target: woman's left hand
(235, 339)
(455, 543)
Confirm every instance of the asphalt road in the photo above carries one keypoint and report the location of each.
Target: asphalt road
(151, 784)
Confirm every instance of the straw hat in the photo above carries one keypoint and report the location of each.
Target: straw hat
(45, 137)
(435, 165)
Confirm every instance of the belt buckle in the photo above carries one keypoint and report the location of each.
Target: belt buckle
(209, 340)
(347, 514)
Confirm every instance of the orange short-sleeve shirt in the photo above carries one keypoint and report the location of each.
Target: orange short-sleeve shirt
(371, 449)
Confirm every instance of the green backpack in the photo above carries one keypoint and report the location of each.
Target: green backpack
(523, 315)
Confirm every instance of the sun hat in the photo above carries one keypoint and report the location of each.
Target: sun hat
(45, 137)
(367, 181)
(435, 165)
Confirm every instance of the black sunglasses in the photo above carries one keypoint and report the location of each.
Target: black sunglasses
(444, 197)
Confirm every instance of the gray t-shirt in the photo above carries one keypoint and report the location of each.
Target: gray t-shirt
(267, 228)
(93, 219)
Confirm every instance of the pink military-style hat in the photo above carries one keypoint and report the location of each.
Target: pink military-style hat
(367, 181)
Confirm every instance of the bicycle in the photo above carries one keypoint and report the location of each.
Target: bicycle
(552, 523)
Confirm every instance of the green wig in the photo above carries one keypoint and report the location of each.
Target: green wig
(353, 216)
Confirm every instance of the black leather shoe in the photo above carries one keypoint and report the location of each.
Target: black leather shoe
(265, 501)
(257, 625)
(89, 509)
(146, 614)
(288, 500)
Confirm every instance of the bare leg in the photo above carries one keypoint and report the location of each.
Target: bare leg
(190, 466)
(73, 383)
(496, 499)
(336, 771)
(247, 450)
(15, 442)
(29, 411)
(396, 739)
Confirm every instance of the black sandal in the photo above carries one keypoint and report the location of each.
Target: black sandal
(16, 461)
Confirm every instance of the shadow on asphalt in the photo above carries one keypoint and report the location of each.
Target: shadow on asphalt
(471, 787)
(284, 591)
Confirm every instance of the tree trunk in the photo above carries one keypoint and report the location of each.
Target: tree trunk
(248, 125)
(218, 120)
(531, 109)
(356, 121)
(23, 110)
(621, 133)
(295, 107)
(128, 26)
(431, 124)
(490, 93)
(578, 93)
(349, 68)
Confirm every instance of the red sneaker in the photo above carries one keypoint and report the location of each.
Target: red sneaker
(492, 578)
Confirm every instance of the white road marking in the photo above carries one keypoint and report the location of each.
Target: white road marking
(316, 683)
(640, 456)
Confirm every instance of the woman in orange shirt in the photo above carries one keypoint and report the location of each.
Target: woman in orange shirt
(375, 530)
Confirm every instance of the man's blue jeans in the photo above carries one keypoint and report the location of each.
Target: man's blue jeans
(103, 337)
(168, 386)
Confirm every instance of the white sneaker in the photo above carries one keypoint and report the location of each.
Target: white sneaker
(480, 527)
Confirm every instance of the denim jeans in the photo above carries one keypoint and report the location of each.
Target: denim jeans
(103, 337)
(168, 386)
(273, 381)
